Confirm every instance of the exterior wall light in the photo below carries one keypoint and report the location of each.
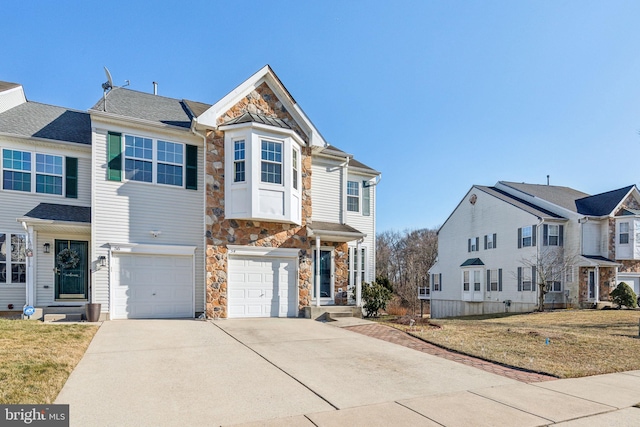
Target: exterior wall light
(46, 248)
(102, 260)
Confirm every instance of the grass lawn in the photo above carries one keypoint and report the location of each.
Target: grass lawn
(581, 342)
(37, 358)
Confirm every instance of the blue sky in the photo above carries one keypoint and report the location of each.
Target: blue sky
(438, 95)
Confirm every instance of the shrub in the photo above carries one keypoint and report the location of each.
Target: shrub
(624, 295)
(375, 297)
(395, 308)
(385, 282)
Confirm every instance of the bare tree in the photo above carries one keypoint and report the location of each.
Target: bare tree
(405, 259)
(550, 265)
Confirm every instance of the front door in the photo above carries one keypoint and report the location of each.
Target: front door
(325, 275)
(71, 269)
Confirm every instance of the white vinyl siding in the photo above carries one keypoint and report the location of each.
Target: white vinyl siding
(16, 204)
(326, 190)
(127, 212)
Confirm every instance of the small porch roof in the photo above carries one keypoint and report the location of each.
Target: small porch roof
(472, 261)
(597, 260)
(56, 217)
(334, 232)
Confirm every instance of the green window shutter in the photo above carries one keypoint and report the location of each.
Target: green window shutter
(488, 280)
(114, 156)
(533, 278)
(561, 237)
(534, 234)
(519, 279)
(71, 177)
(366, 199)
(519, 238)
(500, 280)
(192, 167)
(495, 240)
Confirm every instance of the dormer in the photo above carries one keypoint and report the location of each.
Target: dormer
(262, 169)
(11, 95)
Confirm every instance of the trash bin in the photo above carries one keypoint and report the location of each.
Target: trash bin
(93, 312)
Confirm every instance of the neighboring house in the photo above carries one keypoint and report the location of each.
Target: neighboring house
(236, 209)
(493, 246)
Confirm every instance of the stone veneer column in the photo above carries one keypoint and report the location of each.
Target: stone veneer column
(222, 232)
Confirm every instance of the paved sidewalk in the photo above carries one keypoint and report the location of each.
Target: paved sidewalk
(396, 336)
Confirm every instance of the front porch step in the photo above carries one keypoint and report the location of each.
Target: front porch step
(63, 317)
(62, 313)
(327, 312)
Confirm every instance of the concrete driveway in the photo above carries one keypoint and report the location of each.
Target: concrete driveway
(301, 372)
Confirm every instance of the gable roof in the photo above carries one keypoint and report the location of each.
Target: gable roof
(146, 106)
(265, 75)
(332, 150)
(7, 85)
(33, 119)
(519, 203)
(603, 203)
(561, 196)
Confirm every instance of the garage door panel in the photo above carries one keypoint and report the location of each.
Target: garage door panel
(152, 286)
(262, 287)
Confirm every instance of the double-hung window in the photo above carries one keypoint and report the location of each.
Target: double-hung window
(465, 280)
(493, 280)
(476, 280)
(18, 169)
(624, 233)
(527, 278)
(490, 241)
(294, 166)
(170, 163)
(48, 174)
(271, 166)
(553, 235)
(138, 158)
(353, 196)
(13, 260)
(527, 236)
(436, 279)
(239, 165)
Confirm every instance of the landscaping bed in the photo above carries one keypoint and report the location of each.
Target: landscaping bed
(37, 358)
(567, 344)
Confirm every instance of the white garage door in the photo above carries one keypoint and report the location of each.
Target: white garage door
(262, 287)
(152, 286)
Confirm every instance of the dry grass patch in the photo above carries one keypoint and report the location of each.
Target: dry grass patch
(581, 342)
(37, 358)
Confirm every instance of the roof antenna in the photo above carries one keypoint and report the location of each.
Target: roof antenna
(547, 179)
(106, 86)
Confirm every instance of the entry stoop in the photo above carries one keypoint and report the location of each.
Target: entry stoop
(73, 313)
(329, 312)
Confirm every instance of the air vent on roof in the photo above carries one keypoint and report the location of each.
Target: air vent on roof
(155, 88)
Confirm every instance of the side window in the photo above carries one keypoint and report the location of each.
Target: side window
(353, 196)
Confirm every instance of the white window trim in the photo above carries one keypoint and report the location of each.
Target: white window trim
(357, 196)
(530, 236)
(620, 233)
(33, 173)
(154, 161)
(244, 160)
(282, 162)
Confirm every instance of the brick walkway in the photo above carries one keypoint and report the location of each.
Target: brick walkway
(396, 336)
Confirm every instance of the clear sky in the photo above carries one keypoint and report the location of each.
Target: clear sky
(437, 95)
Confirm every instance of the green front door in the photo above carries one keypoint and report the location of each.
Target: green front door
(71, 269)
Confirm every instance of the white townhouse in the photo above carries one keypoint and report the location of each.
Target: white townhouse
(157, 207)
(492, 246)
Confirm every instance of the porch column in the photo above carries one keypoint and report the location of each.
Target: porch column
(30, 285)
(597, 285)
(317, 271)
(358, 273)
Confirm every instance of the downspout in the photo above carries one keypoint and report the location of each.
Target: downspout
(358, 260)
(538, 255)
(345, 171)
(194, 122)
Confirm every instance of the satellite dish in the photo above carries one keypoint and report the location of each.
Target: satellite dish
(108, 85)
